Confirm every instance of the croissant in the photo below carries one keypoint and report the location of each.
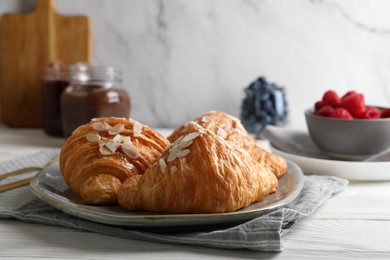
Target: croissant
(231, 129)
(199, 173)
(102, 154)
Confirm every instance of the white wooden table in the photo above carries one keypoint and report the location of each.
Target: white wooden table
(355, 224)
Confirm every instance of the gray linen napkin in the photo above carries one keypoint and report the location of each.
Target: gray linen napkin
(300, 143)
(264, 233)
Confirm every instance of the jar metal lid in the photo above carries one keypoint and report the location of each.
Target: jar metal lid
(87, 74)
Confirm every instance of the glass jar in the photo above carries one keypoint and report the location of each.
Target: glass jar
(56, 79)
(94, 91)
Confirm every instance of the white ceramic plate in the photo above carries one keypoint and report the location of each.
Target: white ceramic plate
(352, 170)
(49, 186)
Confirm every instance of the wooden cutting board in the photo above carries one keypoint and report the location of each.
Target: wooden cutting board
(27, 42)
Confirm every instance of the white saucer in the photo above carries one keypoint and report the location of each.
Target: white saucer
(351, 170)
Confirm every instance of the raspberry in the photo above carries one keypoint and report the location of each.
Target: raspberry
(385, 113)
(355, 105)
(371, 113)
(341, 113)
(331, 98)
(318, 105)
(349, 93)
(324, 111)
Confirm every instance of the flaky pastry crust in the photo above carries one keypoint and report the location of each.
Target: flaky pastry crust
(102, 154)
(231, 129)
(199, 173)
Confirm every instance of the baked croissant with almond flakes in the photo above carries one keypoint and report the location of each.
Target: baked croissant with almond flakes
(199, 173)
(102, 154)
(230, 128)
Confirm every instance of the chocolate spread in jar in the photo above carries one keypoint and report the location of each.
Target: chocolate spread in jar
(55, 81)
(82, 102)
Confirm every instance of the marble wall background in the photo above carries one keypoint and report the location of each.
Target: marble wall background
(182, 58)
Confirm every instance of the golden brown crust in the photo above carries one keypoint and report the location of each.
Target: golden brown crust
(99, 156)
(199, 173)
(275, 163)
(231, 129)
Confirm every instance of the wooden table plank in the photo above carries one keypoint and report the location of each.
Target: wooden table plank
(311, 239)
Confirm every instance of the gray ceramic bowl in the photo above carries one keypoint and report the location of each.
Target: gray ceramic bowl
(354, 139)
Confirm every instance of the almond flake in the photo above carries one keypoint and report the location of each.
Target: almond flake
(183, 153)
(168, 147)
(172, 157)
(184, 144)
(173, 169)
(191, 136)
(204, 119)
(202, 130)
(112, 145)
(93, 137)
(174, 146)
(105, 151)
(116, 129)
(186, 126)
(221, 133)
(174, 149)
(99, 126)
(117, 138)
(130, 150)
(125, 139)
(137, 128)
(106, 126)
(163, 165)
(179, 139)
